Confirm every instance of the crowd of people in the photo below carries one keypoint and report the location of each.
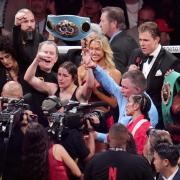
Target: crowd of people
(131, 127)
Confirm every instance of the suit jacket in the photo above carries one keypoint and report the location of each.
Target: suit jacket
(176, 177)
(155, 78)
(122, 45)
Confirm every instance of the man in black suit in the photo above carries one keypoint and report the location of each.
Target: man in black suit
(112, 22)
(166, 161)
(154, 61)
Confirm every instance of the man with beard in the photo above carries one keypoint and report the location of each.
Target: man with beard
(25, 38)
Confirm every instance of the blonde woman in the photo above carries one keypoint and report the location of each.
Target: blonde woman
(102, 55)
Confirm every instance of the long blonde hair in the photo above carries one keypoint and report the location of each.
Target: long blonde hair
(103, 41)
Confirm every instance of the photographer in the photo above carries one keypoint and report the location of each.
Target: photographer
(11, 145)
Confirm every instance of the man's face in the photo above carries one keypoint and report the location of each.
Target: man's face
(105, 24)
(148, 43)
(159, 163)
(28, 25)
(49, 57)
(38, 6)
(128, 88)
(145, 15)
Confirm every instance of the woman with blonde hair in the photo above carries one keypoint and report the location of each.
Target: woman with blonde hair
(102, 55)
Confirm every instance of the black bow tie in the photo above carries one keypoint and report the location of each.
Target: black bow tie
(149, 59)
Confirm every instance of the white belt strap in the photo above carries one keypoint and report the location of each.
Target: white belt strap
(138, 125)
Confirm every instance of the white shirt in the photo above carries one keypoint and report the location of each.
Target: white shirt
(147, 66)
(171, 176)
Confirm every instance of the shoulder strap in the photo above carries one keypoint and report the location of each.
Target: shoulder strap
(136, 127)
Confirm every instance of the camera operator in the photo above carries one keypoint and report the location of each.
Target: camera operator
(11, 147)
(67, 126)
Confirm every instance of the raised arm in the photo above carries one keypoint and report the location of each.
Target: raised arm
(35, 82)
(116, 75)
(84, 91)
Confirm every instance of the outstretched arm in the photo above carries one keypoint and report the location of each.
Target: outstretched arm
(85, 89)
(35, 82)
(116, 75)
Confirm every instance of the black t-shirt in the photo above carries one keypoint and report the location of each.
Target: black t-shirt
(118, 165)
(38, 97)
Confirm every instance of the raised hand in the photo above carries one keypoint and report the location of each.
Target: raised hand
(86, 59)
(20, 17)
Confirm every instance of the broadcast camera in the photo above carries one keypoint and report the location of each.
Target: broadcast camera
(11, 113)
(74, 116)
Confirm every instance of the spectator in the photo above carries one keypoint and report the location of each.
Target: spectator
(41, 78)
(154, 61)
(10, 10)
(146, 13)
(91, 9)
(113, 25)
(155, 136)
(133, 82)
(138, 107)
(166, 158)
(12, 154)
(40, 9)
(116, 163)
(9, 68)
(41, 161)
(25, 38)
(127, 5)
(102, 55)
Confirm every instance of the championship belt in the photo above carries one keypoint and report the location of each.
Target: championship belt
(170, 87)
(3, 4)
(68, 27)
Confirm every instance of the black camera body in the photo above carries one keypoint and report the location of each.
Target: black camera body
(75, 116)
(11, 115)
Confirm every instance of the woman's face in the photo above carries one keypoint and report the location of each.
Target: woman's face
(7, 60)
(64, 78)
(130, 107)
(96, 51)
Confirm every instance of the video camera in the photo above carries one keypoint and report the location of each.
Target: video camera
(74, 115)
(11, 113)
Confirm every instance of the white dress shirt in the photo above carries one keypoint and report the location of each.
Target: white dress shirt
(171, 176)
(147, 66)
